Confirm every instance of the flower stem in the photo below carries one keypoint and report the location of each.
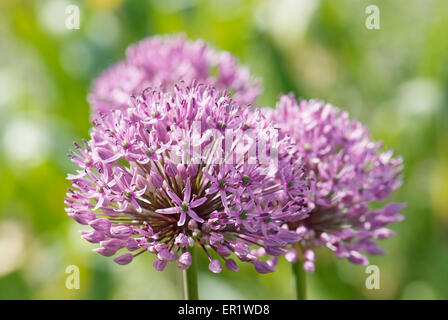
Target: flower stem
(299, 276)
(299, 280)
(191, 278)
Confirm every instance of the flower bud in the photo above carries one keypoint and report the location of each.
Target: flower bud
(132, 244)
(215, 266)
(291, 256)
(170, 169)
(182, 171)
(156, 180)
(185, 260)
(181, 240)
(124, 258)
(309, 266)
(159, 265)
(263, 267)
(232, 265)
(101, 224)
(121, 232)
(93, 236)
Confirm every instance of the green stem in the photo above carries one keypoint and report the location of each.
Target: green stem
(191, 278)
(299, 275)
(299, 280)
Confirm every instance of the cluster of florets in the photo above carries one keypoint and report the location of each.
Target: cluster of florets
(162, 61)
(188, 167)
(178, 159)
(347, 171)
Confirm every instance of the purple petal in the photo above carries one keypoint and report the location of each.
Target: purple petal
(171, 210)
(174, 197)
(187, 193)
(198, 202)
(183, 217)
(193, 215)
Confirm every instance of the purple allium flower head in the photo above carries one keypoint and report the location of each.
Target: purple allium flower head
(188, 167)
(347, 170)
(165, 60)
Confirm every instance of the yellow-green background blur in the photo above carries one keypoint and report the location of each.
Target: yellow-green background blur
(394, 79)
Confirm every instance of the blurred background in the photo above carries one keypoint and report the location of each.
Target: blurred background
(394, 79)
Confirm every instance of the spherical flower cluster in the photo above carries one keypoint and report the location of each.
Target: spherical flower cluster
(163, 61)
(179, 159)
(347, 171)
(188, 167)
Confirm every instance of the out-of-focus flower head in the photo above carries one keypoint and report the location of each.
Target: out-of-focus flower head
(165, 60)
(348, 171)
(187, 167)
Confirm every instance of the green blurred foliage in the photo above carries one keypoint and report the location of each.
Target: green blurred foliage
(393, 79)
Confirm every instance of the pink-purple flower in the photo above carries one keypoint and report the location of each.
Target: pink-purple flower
(181, 168)
(178, 158)
(347, 171)
(161, 61)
